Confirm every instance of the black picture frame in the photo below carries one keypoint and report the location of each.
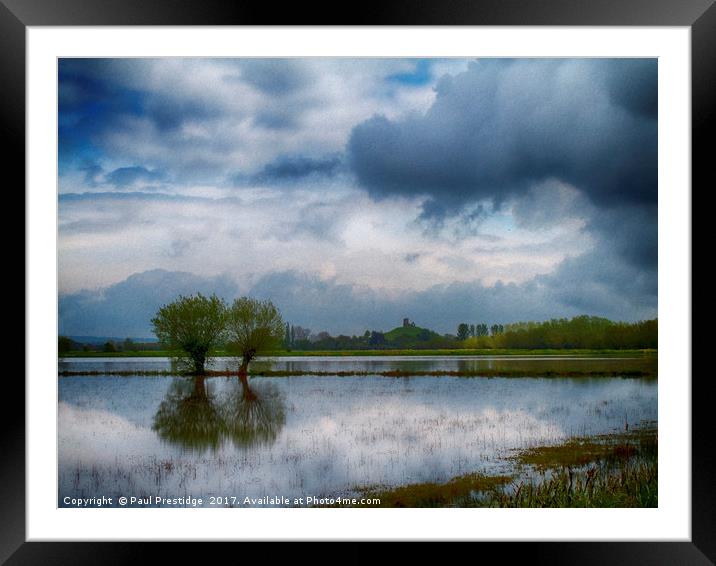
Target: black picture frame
(699, 15)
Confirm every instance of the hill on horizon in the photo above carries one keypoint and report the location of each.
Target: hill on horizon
(405, 336)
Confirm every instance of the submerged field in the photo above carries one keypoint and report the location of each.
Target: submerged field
(409, 440)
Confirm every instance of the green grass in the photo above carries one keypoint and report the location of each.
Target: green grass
(633, 484)
(404, 352)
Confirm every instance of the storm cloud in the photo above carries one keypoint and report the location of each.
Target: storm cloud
(289, 169)
(504, 125)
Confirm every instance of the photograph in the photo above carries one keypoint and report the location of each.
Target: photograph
(357, 282)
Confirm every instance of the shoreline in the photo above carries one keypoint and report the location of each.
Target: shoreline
(546, 353)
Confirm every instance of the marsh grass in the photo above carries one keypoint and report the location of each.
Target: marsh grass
(629, 484)
(580, 451)
(610, 470)
(429, 494)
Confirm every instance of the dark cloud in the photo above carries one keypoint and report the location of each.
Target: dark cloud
(126, 176)
(277, 118)
(285, 114)
(92, 173)
(126, 308)
(602, 283)
(276, 77)
(101, 96)
(503, 125)
(90, 102)
(179, 247)
(633, 84)
(171, 112)
(295, 168)
(631, 233)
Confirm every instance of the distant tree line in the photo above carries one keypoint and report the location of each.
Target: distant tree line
(66, 344)
(580, 332)
(302, 339)
(465, 331)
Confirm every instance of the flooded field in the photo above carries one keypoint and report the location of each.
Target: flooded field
(320, 436)
(381, 363)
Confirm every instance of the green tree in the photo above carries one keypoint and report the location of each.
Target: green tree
(376, 338)
(253, 327)
(190, 327)
(463, 331)
(287, 342)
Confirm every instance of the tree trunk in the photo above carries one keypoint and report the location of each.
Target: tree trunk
(199, 363)
(199, 388)
(245, 361)
(248, 395)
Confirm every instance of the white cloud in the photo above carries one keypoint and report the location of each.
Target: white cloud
(342, 234)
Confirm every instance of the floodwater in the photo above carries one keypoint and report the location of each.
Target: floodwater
(307, 436)
(380, 363)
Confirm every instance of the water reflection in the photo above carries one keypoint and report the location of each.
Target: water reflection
(253, 415)
(193, 417)
(177, 436)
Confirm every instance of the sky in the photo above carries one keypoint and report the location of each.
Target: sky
(356, 192)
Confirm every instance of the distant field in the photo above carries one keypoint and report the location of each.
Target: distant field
(455, 352)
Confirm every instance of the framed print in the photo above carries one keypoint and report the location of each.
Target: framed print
(394, 279)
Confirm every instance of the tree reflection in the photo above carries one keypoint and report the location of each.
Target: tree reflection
(253, 415)
(189, 416)
(192, 417)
